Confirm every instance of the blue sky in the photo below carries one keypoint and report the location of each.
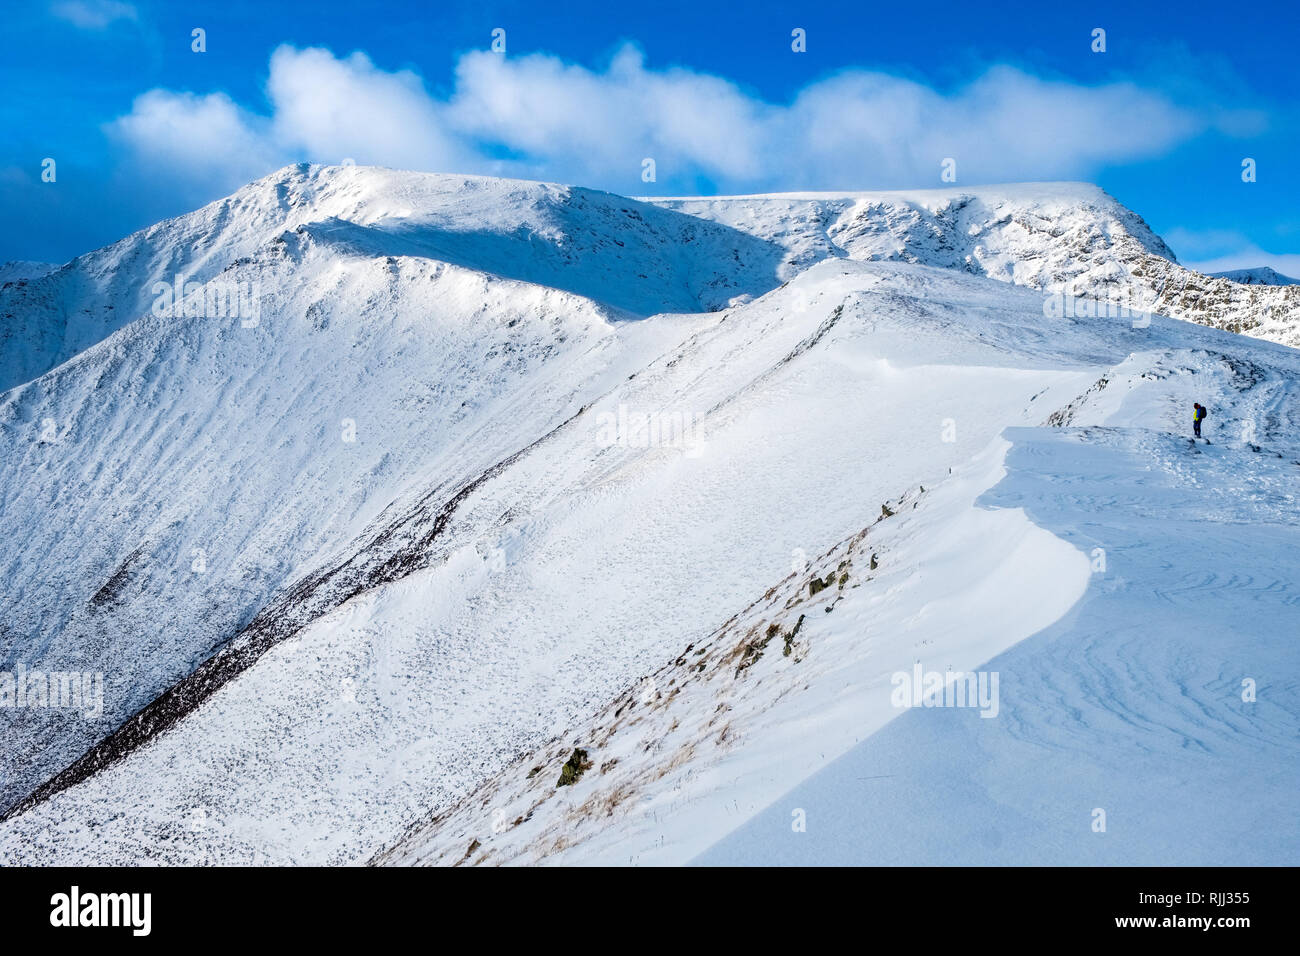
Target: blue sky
(141, 127)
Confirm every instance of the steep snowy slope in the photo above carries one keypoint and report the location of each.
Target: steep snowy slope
(633, 257)
(157, 490)
(1130, 702)
(1066, 238)
(363, 304)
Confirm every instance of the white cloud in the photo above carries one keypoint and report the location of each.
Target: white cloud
(328, 108)
(603, 124)
(854, 130)
(539, 117)
(865, 129)
(93, 14)
(205, 140)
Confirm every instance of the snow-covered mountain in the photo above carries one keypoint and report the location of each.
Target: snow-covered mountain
(1260, 275)
(1037, 235)
(483, 454)
(640, 257)
(630, 256)
(1065, 238)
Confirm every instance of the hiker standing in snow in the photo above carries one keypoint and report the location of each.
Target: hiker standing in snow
(1198, 415)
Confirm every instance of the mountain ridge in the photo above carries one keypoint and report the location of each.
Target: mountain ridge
(552, 233)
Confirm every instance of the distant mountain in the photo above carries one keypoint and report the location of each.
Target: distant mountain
(1260, 275)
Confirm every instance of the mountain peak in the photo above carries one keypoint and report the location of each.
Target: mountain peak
(1258, 275)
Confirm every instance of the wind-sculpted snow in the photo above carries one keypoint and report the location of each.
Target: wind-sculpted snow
(1155, 725)
(796, 677)
(950, 576)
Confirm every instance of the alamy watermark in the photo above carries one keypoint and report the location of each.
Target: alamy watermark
(129, 910)
(38, 689)
(1065, 305)
(628, 428)
(922, 688)
(215, 299)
